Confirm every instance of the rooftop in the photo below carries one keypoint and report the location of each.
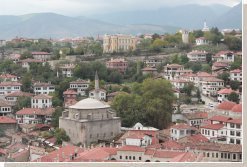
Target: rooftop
(89, 103)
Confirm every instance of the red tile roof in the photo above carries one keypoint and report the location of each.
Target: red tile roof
(203, 74)
(70, 92)
(40, 53)
(132, 148)
(212, 79)
(225, 91)
(149, 69)
(223, 52)
(213, 126)
(31, 61)
(42, 84)
(182, 126)
(96, 154)
(35, 111)
(61, 154)
(237, 108)
(80, 81)
(174, 65)
(236, 71)
(5, 103)
(220, 118)
(10, 84)
(226, 105)
(7, 120)
(171, 144)
(235, 121)
(42, 96)
(166, 154)
(19, 94)
(7, 76)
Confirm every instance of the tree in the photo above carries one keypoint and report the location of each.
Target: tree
(26, 54)
(56, 115)
(234, 97)
(184, 59)
(224, 76)
(188, 89)
(115, 77)
(206, 68)
(234, 85)
(195, 67)
(60, 135)
(150, 102)
(233, 43)
(22, 102)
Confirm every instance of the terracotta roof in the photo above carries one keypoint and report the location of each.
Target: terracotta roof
(132, 148)
(7, 120)
(196, 115)
(35, 111)
(226, 105)
(3, 151)
(61, 154)
(223, 52)
(5, 103)
(235, 121)
(180, 81)
(96, 154)
(195, 52)
(39, 126)
(166, 154)
(236, 71)
(42, 84)
(174, 65)
(237, 108)
(182, 126)
(42, 96)
(7, 76)
(220, 118)
(31, 61)
(80, 81)
(213, 126)
(171, 144)
(185, 157)
(221, 64)
(225, 91)
(203, 74)
(212, 79)
(70, 92)
(10, 84)
(149, 69)
(40, 53)
(19, 94)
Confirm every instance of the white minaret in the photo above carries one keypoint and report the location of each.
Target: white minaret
(96, 86)
(205, 27)
(185, 36)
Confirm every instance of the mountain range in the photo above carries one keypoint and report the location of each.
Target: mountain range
(163, 20)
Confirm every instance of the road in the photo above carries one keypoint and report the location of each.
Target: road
(208, 101)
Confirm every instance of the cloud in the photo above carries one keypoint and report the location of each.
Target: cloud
(88, 7)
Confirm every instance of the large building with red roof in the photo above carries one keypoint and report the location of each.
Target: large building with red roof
(7, 123)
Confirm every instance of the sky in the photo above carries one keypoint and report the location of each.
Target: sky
(94, 7)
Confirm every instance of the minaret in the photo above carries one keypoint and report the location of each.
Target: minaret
(96, 86)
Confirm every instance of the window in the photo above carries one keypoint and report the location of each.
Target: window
(232, 125)
(229, 156)
(232, 133)
(212, 155)
(238, 141)
(238, 133)
(207, 154)
(140, 158)
(234, 156)
(126, 157)
(216, 155)
(134, 157)
(130, 157)
(120, 157)
(232, 141)
(238, 126)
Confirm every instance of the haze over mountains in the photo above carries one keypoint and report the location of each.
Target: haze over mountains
(169, 19)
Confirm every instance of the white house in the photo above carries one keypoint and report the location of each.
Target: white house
(227, 56)
(224, 93)
(8, 77)
(142, 140)
(26, 62)
(5, 107)
(197, 56)
(223, 129)
(67, 70)
(41, 101)
(170, 70)
(43, 56)
(13, 97)
(210, 86)
(202, 41)
(34, 115)
(80, 86)
(43, 88)
(152, 62)
(181, 130)
(179, 84)
(9, 87)
(236, 75)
